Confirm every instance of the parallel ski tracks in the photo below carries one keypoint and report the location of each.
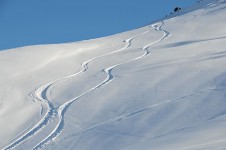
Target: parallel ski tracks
(52, 112)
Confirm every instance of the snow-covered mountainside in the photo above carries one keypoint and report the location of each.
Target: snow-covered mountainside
(160, 87)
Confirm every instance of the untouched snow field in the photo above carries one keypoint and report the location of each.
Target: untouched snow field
(160, 87)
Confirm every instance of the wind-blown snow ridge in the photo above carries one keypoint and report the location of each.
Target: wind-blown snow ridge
(40, 95)
(63, 108)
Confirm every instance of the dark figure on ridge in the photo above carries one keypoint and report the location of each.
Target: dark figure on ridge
(177, 9)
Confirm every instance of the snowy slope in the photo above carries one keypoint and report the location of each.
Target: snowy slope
(159, 87)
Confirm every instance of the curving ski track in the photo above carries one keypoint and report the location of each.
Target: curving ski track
(41, 92)
(40, 95)
(63, 108)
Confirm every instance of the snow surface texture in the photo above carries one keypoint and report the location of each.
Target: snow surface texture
(160, 87)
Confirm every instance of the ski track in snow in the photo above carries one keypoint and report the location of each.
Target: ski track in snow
(41, 94)
(63, 108)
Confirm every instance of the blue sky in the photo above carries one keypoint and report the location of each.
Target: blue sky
(29, 22)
